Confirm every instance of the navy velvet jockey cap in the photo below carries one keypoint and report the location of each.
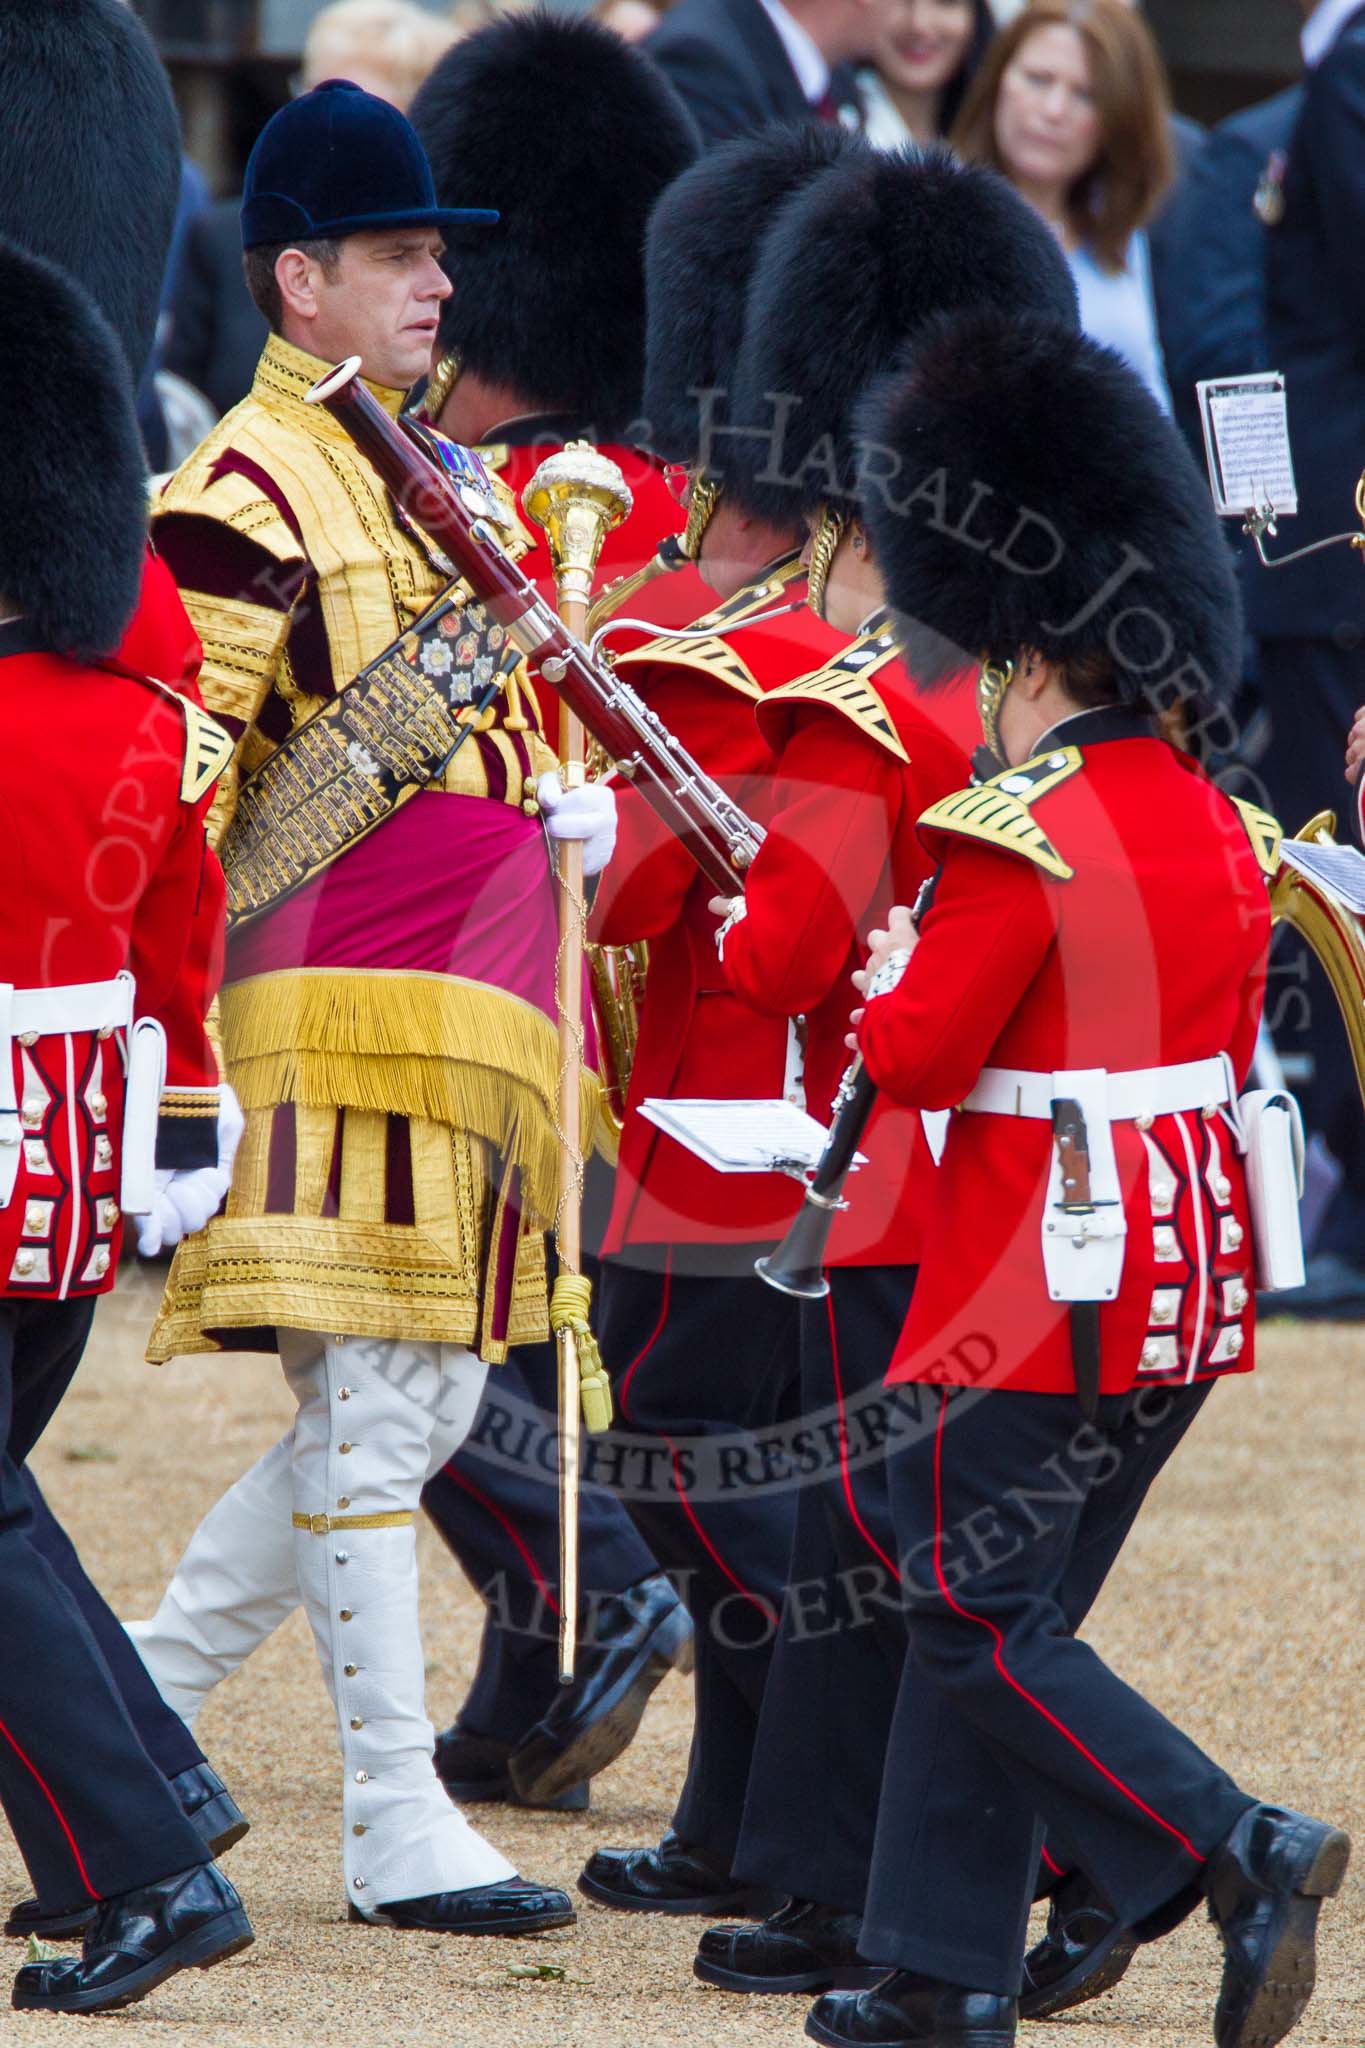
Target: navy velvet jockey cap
(339, 161)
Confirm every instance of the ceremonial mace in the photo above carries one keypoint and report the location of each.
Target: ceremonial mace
(577, 496)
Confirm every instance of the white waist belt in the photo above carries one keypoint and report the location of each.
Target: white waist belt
(1142, 1092)
(31, 1013)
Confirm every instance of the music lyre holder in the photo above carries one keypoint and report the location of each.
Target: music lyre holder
(1263, 520)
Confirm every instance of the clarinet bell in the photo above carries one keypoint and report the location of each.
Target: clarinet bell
(797, 1266)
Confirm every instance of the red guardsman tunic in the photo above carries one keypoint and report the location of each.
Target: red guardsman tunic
(696, 1038)
(108, 871)
(1149, 952)
(858, 757)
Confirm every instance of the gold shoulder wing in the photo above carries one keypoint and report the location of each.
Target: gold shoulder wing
(208, 750)
(712, 656)
(845, 686)
(1265, 834)
(999, 812)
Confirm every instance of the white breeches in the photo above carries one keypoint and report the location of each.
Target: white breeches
(374, 1419)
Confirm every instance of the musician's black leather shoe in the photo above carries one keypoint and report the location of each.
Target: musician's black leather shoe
(1265, 1885)
(511, 1907)
(474, 1770)
(204, 1800)
(910, 2011)
(637, 1639)
(139, 1939)
(1085, 1951)
(669, 1879)
(800, 1947)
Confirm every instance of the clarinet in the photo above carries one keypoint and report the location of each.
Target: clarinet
(721, 839)
(797, 1266)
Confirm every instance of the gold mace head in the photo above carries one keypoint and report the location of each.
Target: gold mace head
(577, 495)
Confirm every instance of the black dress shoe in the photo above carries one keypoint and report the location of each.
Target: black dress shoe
(511, 1907)
(139, 1939)
(911, 2011)
(473, 1769)
(636, 1641)
(1265, 1886)
(669, 1879)
(800, 1947)
(204, 1800)
(1085, 1951)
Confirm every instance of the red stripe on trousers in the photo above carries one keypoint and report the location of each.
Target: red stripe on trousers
(47, 1792)
(1008, 1676)
(861, 1526)
(754, 1599)
(519, 1544)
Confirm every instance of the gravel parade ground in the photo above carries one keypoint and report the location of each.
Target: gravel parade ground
(1237, 1606)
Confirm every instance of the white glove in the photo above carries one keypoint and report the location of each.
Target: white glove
(588, 814)
(187, 1198)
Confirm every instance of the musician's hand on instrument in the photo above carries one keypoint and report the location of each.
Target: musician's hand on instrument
(900, 936)
(587, 814)
(1355, 747)
(855, 1018)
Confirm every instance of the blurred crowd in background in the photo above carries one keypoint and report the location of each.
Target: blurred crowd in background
(1197, 251)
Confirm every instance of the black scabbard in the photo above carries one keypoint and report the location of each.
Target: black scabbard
(1085, 1355)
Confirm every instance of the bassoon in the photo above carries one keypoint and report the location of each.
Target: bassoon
(718, 835)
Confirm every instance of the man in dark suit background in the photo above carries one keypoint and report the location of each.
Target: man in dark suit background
(740, 64)
(1310, 619)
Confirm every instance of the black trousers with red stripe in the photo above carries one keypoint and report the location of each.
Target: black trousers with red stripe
(1009, 1510)
(496, 1505)
(91, 1813)
(703, 1366)
(811, 1810)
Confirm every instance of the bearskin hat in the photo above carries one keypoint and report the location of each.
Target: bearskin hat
(90, 155)
(1090, 531)
(699, 262)
(852, 269)
(571, 135)
(73, 486)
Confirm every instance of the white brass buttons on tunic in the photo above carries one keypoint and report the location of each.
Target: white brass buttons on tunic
(24, 1262)
(1238, 1299)
(31, 1037)
(33, 1112)
(343, 1393)
(109, 1215)
(1234, 1343)
(1144, 1123)
(1234, 1235)
(362, 1777)
(99, 1105)
(35, 1219)
(101, 1262)
(343, 1556)
(1222, 1188)
(1151, 1354)
(1163, 1312)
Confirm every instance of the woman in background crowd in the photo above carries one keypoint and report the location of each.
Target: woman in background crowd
(1071, 103)
(923, 60)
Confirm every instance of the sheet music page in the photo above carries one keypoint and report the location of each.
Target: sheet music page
(1340, 870)
(739, 1137)
(1246, 440)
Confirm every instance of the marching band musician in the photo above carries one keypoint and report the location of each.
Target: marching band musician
(542, 342)
(105, 935)
(88, 78)
(396, 1060)
(700, 1351)
(1086, 989)
(891, 240)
